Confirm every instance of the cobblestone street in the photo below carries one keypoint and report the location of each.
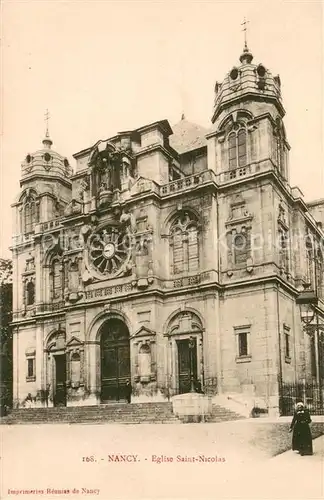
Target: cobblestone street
(88, 459)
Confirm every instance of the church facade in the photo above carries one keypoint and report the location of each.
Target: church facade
(169, 256)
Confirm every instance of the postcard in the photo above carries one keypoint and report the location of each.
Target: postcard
(162, 250)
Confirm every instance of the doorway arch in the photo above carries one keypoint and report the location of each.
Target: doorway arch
(55, 357)
(185, 360)
(115, 360)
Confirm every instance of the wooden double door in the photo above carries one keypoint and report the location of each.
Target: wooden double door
(115, 361)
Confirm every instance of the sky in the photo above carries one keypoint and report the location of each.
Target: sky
(105, 66)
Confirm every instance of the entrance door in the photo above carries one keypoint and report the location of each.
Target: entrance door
(115, 361)
(60, 380)
(184, 363)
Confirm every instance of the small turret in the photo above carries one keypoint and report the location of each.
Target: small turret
(245, 83)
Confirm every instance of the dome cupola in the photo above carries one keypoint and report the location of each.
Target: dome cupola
(46, 162)
(247, 82)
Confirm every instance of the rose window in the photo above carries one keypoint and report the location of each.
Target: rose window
(109, 251)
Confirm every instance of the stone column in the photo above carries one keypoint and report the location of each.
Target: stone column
(212, 342)
(39, 359)
(134, 347)
(169, 366)
(82, 374)
(50, 377)
(200, 353)
(39, 269)
(208, 235)
(16, 283)
(93, 375)
(16, 372)
(219, 370)
(174, 364)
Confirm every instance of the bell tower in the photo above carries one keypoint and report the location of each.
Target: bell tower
(248, 121)
(46, 190)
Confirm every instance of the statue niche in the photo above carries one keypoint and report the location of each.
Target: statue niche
(75, 370)
(144, 363)
(73, 279)
(106, 163)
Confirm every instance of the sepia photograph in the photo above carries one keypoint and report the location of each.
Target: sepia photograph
(162, 250)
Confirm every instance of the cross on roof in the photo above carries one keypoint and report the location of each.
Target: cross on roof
(245, 23)
(47, 117)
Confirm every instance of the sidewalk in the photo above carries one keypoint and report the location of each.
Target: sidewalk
(287, 476)
(315, 419)
(295, 458)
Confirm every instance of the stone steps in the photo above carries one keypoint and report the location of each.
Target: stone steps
(111, 413)
(221, 414)
(121, 413)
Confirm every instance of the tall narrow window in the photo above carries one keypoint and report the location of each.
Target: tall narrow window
(287, 343)
(232, 150)
(243, 344)
(30, 367)
(192, 248)
(241, 139)
(30, 293)
(29, 215)
(237, 154)
(242, 334)
(184, 245)
(178, 260)
(287, 349)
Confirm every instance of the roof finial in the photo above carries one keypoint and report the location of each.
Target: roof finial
(47, 117)
(245, 23)
(183, 94)
(47, 141)
(246, 57)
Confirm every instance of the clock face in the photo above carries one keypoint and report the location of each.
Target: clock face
(108, 252)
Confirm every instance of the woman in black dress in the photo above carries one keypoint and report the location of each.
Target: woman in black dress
(302, 437)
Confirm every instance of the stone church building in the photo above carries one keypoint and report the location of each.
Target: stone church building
(168, 256)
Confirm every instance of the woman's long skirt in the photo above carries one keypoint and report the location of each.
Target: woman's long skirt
(302, 439)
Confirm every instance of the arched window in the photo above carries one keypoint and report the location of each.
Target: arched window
(30, 293)
(57, 279)
(237, 154)
(184, 245)
(29, 215)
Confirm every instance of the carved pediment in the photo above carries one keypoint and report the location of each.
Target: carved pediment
(144, 332)
(239, 212)
(74, 342)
